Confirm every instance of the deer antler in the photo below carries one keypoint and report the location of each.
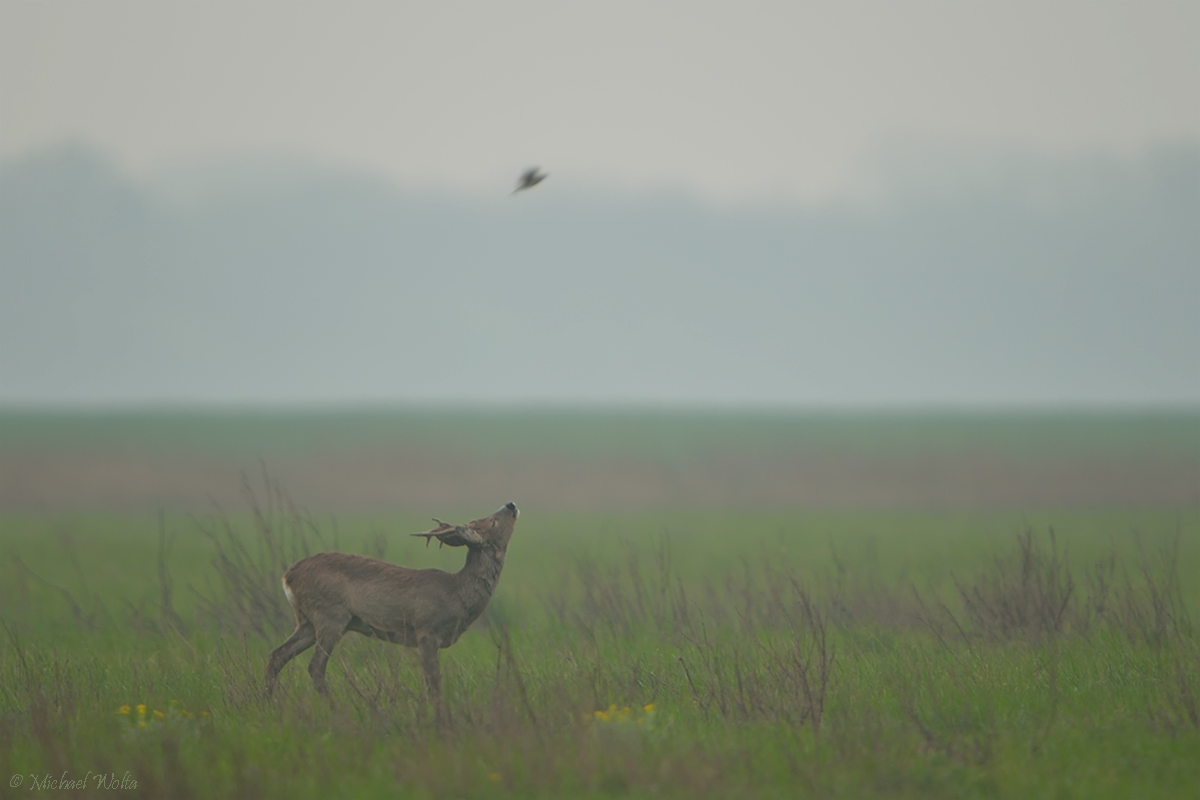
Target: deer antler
(453, 535)
(442, 529)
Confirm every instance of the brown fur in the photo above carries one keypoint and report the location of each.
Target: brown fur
(427, 609)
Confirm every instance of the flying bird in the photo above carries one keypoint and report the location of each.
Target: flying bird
(531, 177)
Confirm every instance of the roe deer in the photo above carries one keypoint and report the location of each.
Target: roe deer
(428, 609)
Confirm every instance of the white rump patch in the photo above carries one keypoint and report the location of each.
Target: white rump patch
(287, 590)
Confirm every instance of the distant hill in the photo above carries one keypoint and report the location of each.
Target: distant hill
(1046, 282)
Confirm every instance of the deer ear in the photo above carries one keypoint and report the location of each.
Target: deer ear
(484, 525)
(461, 536)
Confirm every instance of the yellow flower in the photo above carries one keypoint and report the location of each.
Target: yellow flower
(624, 714)
(495, 777)
(141, 723)
(159, 715)
(123, 710)
(141, 707)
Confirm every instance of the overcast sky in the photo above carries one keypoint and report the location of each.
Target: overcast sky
(965, 204)
(736, 101)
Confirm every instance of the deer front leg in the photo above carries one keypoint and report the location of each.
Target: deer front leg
(428, 647)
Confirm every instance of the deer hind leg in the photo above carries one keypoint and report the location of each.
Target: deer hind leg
(327, 636)
(301, 639)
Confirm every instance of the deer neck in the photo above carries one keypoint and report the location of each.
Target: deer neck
(479, 576)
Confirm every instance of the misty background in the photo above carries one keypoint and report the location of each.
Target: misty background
(1045, 282)
(804, 206)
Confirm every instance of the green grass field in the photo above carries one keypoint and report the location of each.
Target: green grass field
(643, 653)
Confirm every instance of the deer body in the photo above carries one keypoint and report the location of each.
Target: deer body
(428, 609)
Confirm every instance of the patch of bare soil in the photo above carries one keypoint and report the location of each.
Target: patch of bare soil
(373, 480)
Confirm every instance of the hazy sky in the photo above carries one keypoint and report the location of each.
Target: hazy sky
(793, 204)
(736, 101)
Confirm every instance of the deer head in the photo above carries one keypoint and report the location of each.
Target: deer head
(477, 533)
